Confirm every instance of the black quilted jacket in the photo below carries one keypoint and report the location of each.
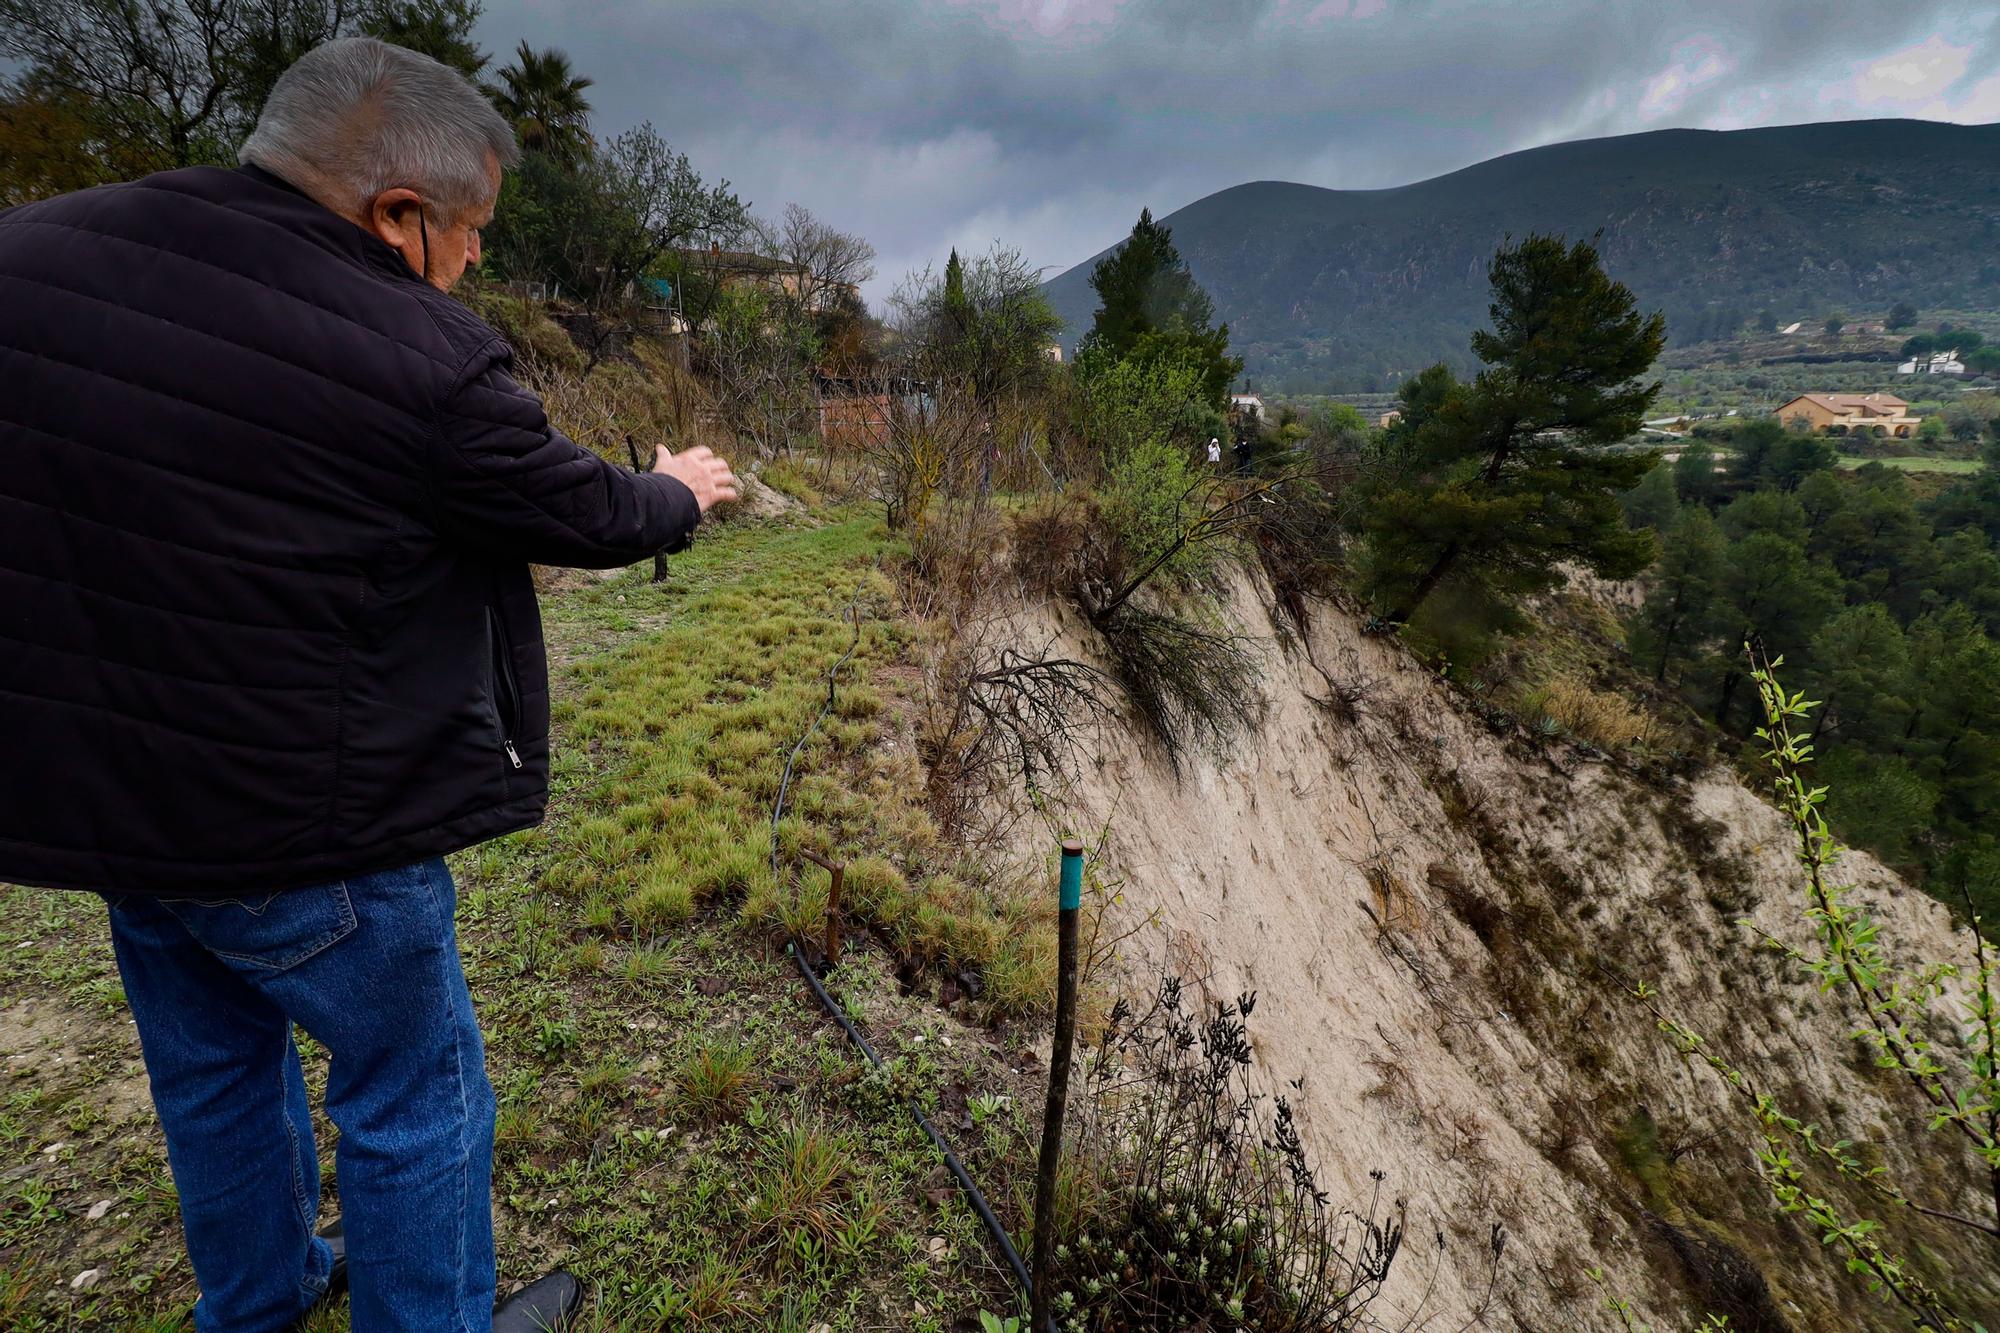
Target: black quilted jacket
(267, 505)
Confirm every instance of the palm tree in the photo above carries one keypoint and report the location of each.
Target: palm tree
(546, 103)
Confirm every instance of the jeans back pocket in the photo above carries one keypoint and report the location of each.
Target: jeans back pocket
(271, 931)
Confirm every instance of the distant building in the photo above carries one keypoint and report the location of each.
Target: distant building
(1249, 404)
(859, 411)
(1848, 413)
(1053, 352)
(734, 268)
(1389, 418)
(1937, 363)
(855, 420)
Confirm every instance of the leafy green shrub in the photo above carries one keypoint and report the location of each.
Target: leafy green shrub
(1133, 401)
(1810, 1174)
(1146, 508)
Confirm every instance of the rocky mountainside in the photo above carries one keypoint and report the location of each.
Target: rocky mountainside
(1353, 289)
(1438, 913)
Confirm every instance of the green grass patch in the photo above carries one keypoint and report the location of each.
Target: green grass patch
(677, 1123)
(1916, 463)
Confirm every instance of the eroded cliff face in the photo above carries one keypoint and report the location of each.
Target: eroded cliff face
(1437, 913)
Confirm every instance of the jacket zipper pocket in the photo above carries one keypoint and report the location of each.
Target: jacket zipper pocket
(506, 690)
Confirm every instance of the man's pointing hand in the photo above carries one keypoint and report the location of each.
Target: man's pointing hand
(700, 471)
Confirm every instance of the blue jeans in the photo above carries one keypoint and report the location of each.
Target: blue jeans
(370, 968)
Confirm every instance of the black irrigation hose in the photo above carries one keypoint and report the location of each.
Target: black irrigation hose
(966, 1186)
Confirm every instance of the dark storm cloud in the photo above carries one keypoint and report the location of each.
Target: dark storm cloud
(1048, 123)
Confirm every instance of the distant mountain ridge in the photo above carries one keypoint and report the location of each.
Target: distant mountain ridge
(1354, 289)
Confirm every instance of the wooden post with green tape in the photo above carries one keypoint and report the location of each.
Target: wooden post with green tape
(1070, 899)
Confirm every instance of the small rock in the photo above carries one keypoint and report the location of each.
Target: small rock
(53, 1149)
(85, 1280)
(98, 1210)
(939, 1246)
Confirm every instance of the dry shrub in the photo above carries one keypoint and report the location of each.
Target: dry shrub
(952, 556)
(1052, 549)
(996, 719)
(1604, 718)
(536, 339)
(644, 399)
(1193, 1202)
(1192, 686)
(932, 455)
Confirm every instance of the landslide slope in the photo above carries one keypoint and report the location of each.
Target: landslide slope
(1437, 910)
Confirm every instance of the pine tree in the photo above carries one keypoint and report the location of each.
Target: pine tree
(1652, 503)
(1151, 309)
(1694, 474)
(1509, 477)
(954, 281)
(1679, 611)
(1861, 676)
(441, 29)
(1771, 596)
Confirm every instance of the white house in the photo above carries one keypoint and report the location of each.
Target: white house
(1247, 403)
(1937, 363)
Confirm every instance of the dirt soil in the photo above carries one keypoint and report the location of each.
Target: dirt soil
(1442, 916)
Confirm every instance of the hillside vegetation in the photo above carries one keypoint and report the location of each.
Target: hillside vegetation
(1333, 290)
(1438, 972)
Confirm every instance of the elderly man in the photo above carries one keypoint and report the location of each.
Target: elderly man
(268, 498)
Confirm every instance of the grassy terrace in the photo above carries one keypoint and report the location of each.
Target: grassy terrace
(1955, 466)
(678, 1123)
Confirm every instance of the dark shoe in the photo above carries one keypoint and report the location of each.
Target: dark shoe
(336, 1275)
(546, 1305)
(335, 1237)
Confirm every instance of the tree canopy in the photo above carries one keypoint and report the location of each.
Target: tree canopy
(984, 326)
(543, 98)
(1886, 607)
(107, 90)
(1497, 482)
(1151, 308)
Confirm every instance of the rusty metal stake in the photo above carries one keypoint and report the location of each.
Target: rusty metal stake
(839, 873)
(659, 557)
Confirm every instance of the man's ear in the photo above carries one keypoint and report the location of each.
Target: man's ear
(396, 216)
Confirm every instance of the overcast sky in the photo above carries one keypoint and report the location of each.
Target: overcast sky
(1047, 124)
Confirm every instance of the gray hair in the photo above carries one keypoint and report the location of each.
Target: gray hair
(359, 116)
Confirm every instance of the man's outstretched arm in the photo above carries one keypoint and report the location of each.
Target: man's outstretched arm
(504, 480)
